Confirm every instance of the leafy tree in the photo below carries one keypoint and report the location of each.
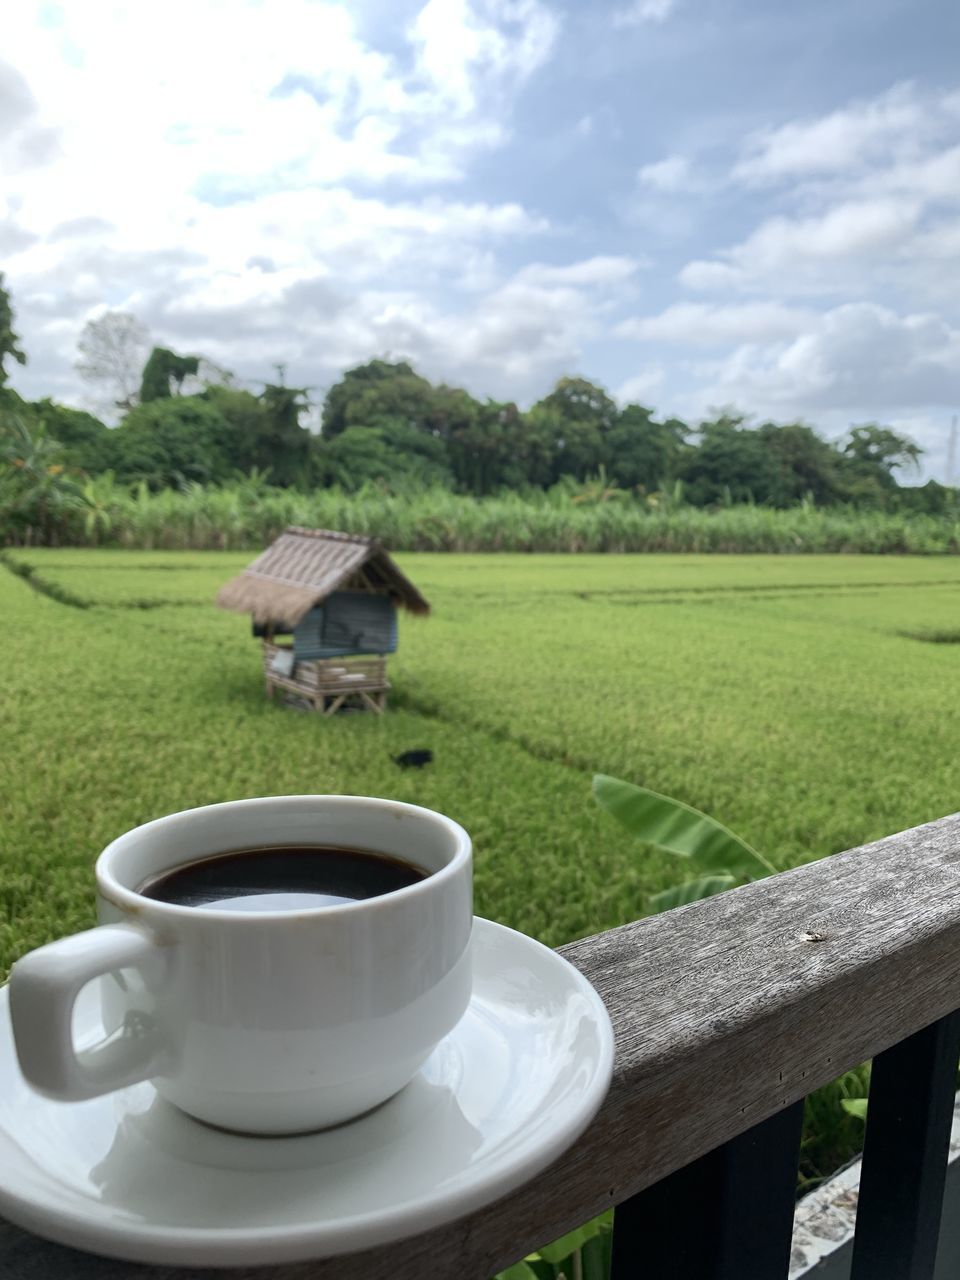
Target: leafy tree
(99, 494)
(35, 484)
(577, 400)
(396, 455)
(729, 464)
(539, 442)
(164, 372)
(485, 444)
(385, 423)
(265, 433)
(88, 444)
(932, 498)
(250, 444)
(9, 342)
(214, 436)
(569, 431)
(112, 350)
(869, 457)
(340, 408)
(480, 439)
(803, 464)
(171, 441)
(644, 453)
(879, 449)
(411, 400)
(285, 447)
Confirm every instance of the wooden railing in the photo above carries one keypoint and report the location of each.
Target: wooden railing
(727, 1014)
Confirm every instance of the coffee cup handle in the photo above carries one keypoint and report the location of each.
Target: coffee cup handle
(44, 986)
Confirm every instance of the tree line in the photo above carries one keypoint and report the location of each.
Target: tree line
(185, 419)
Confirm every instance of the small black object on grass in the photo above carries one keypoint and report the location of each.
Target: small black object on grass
(413, 759)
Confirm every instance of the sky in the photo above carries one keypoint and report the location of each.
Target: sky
(698, 204)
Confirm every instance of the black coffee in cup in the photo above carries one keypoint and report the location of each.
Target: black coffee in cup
(282, 878)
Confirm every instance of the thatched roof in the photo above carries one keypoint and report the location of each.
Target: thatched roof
(304, 566)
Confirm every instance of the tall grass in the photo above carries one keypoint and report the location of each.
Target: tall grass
(243, 515)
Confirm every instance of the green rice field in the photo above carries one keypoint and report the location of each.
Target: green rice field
(791, 698)
(806, 702)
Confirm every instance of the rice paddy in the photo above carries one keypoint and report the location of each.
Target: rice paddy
(795, 698)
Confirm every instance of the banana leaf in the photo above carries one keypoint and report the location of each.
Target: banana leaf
(680, 829)
(519, 1271)
(560, 1250)
(689, 891)
(855, 1107)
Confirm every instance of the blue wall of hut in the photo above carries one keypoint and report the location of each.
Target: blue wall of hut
(347, 622)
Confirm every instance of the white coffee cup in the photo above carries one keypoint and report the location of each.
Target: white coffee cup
(262, 1022)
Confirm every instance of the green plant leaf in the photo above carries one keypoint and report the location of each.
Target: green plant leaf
(519, 1271)
(678, 828)
(689, 891)
(855, 1107)
(561, 1249)
(596, 1256)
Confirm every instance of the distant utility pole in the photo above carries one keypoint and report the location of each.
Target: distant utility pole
(952, 453)
(281, 372)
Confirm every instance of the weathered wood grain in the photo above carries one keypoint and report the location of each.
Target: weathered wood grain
(725, 1011)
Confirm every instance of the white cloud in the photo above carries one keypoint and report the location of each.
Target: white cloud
(510, 339)
(861, 358)
(13, 237)
(902, 145)
(237, 202)
(591, 271)
(813, 254)
(669, 175)
(643, 11)
(306, 200)
(843, 141)
(517, 338)
(702, 274)
(697, 324)
(872, 196)
(640, 386)
(17, 103)
(209, 294)
(318, 107)
(935, 177)
(26, 142)
(464, 48)
(870, 209)
(293, 234)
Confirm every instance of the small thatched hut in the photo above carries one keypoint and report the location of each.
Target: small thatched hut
(336, 596)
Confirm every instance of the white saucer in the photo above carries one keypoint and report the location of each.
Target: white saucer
(512, 1086)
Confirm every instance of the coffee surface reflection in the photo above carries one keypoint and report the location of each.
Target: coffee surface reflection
(282, 878)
